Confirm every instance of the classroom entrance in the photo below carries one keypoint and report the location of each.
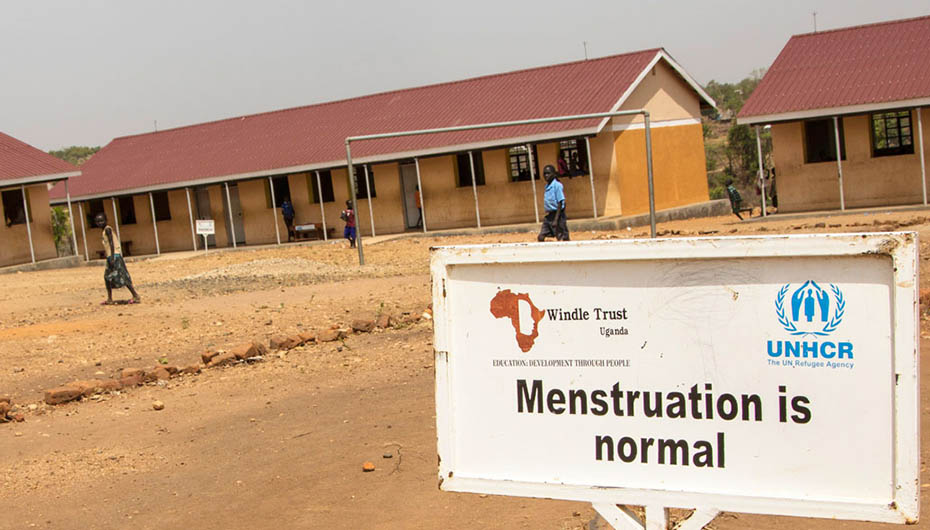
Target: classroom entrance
(408, 180)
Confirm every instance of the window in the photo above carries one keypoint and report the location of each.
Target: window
(573, 158)
(463, 169)
(820, 141)
(93, 208)
(326, 182)
(361, 184)
(162, 210)
(520, 163)
(282, 190)
(13, 211)
(127, 210)
(891, 134)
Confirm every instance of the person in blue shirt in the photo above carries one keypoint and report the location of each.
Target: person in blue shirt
(287, 211)
(554, 203)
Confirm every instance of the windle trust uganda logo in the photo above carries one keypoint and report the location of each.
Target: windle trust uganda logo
(506, 304)
(811, 309)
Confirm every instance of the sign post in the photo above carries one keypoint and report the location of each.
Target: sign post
(206, 228)
(772, 375)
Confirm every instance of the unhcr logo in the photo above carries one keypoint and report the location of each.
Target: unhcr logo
(810, 310)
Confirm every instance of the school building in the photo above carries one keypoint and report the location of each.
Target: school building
(862, 92)
(238, 171)
(25, 174)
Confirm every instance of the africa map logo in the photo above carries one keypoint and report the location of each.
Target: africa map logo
(812, 310)
(506, 304)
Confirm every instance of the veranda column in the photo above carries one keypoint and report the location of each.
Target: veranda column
(371, 214)
(115, 218)
(474, 186)
(232, 226)
(416, 163)
(32, 250)
(319, 192)
(83, 231)
(839, 159)
(761, 173)
(529, 152)
(154, 223)
(190, 215)
(71, 218)
(587, 144)
(274, 213)
(923, 163)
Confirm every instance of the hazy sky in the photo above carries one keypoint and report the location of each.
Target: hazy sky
(82, 73)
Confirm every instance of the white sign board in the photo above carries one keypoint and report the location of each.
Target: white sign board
(772, 375)
(205, 227)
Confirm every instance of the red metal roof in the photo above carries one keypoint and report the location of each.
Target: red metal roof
(315, 134)
(20, 162)
(860, 65)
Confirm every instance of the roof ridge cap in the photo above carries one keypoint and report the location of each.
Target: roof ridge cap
(860, 26)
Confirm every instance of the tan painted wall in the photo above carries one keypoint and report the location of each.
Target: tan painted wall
(665, 95)
(867, 180)
(14, 240)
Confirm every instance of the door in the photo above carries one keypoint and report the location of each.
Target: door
(236, 214)
(408, 177)
(202, 200)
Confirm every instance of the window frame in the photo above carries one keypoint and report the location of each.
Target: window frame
(162, 205)
(896, 116)
(361, 191)
(279, 197)
(512, 157)
(122, 210)
(464, 180)
(18, 200)
(831, 137)
(581, 148)
(326, 179)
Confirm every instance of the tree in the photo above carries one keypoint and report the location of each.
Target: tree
(75, 154)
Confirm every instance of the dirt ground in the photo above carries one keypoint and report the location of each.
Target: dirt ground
(278, 443)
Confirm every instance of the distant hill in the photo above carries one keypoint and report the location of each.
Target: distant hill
(76, 154)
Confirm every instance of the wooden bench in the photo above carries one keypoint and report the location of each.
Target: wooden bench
(312, 231)
(126, 247)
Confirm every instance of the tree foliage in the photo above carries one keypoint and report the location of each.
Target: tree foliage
(76, 154)
(61, 229)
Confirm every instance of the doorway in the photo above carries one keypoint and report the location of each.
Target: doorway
(202, 203)
(237, 222)
(408, 177)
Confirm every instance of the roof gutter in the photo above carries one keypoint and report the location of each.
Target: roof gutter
(38, 179)
(829, 112)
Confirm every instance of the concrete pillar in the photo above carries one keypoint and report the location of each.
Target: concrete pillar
(274, 212)
(839, 160)
(71, 218)
(319, 193)
(83, 231)
(529, 152)
(32, 250)
(154, 224)
(474, 186)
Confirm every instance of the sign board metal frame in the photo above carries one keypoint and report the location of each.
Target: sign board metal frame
(206, 228)
(902, 248)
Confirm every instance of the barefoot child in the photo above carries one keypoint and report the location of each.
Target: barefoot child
(115, 275)
(348, 215)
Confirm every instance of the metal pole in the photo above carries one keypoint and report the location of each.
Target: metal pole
(761, 174)
(416, 162)
(350, 176)
(529, 152)
(232, 226)
(587, 144)
(154, 223)
(371, 213)
(71, 218)
(190, 215)
(839, 159)
(319, 192)
(652, 192)
(115, 218)
(274, 205)
(923, 163)
(474, 186)
(83, 231)
(32, 250)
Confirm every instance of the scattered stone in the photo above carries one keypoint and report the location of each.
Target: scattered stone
(98, 373)
(33, 407)
(307, 337)
(192, 369)
(363, 326)
(134, 380)
(172, 369)
(4, 409)
(388, 455)
(278, 342)
(384, 321)
(222, 360)
(62, 394)
(160, 374)
(6, 399)
(18, 418)
(294, 341)
(158, 405)
(208, 356)
(328, 335)
(368, 467)
(130, 372)
(249, 349)
(820, 225)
